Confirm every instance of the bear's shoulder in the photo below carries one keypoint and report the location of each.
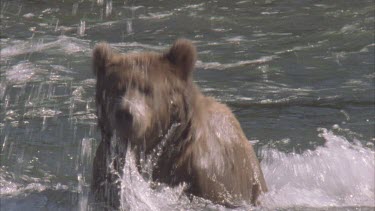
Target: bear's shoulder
(217, 118)
(217, 133)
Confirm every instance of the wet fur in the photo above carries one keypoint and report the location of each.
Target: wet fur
(207, 149)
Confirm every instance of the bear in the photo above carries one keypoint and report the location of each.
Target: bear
(148, 101)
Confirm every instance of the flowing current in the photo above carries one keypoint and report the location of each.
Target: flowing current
(299, 76)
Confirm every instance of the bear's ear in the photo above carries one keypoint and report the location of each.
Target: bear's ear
(183, 54)
(100, 57)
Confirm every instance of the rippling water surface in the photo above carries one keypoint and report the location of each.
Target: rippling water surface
(299, 75)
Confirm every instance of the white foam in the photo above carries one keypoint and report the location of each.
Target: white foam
(9, 187)
(338, 174)
(366, 48)
(136, 193)
(301, 48)
(42, 112)
(139, 45)
(158, 15)
(28, 15)
(88, 82)
(69, 45)
(61, 68)
(236, 39)
(77, 93)
(22, 72)
(349, 28)
(220, 66)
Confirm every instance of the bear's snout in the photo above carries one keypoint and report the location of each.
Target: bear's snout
(124, 117)
(133, 113)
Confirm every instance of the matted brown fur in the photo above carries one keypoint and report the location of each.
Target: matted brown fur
(140, 97)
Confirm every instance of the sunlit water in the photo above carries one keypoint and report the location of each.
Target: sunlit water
(298, 75)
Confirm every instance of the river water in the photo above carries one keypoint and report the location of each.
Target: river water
(299, 75)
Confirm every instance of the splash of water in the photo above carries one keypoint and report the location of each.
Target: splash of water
(108, 8)
(338, 174)
(85, 161)
(81, 28)
(137, 194)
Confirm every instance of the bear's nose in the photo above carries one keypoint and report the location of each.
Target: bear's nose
(124, 117)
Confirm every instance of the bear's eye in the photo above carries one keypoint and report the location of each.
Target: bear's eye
(145, 90)
(119, 87)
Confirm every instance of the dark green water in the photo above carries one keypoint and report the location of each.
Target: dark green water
(299, 75)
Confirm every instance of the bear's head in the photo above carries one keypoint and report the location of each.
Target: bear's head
(140, 96)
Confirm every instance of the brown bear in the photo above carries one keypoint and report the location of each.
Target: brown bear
(148, 101)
